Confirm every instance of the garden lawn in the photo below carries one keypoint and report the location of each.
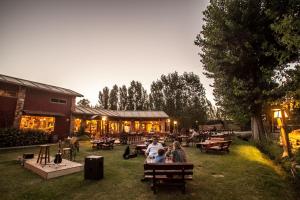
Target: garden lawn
(243, 174)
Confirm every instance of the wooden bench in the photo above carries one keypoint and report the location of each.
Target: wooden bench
(219, 146)
(168, 174)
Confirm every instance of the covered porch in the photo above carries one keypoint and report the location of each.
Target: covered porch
(99, 122)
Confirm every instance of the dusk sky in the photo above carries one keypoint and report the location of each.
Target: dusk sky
(86, 45)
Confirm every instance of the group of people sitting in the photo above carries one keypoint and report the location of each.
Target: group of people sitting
(157, 152)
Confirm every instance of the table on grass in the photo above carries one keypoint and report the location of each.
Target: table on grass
(207, 144)
(141, 148)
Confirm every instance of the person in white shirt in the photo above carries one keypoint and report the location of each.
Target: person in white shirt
(152, 149)
(193, 136)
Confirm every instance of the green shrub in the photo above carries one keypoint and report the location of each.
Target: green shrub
(10, 137)
(297, 156)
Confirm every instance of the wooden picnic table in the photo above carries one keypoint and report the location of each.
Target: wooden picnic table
(169, 174)
(219, 145)
(151, 160)
(141, 148)
(100, 143)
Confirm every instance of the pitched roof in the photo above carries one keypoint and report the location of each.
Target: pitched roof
(121, 114)
(36, 85)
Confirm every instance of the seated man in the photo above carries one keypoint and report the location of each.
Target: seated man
(152, 149)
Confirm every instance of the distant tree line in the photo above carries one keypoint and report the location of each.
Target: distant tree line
(182, 97)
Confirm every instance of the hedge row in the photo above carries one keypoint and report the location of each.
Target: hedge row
(10, 137)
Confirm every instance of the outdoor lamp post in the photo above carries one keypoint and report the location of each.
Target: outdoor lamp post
(196, 122)
(168, 125)
(175, 126)
(280, 116)
(104, 118)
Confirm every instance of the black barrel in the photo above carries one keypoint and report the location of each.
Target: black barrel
(93, 167)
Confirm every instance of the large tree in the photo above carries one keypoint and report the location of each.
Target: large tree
(182, 97)
(113, 98)
(123, 98)
(137, 96)
(103, 98)
(285, 15)
(238, 46)
(156, 97)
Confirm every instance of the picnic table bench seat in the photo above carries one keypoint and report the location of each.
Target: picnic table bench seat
(168, 174)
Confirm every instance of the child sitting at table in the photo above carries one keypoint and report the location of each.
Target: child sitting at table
(160, 158)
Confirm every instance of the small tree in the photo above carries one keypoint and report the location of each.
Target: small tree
(84, 102)
(103, 98)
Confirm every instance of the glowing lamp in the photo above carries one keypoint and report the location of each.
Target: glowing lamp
(277, 113)
(168, 120)
(175, 122)
(104, 118)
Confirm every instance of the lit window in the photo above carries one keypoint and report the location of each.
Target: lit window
(37, 122)
(60, 101)
(8, 93)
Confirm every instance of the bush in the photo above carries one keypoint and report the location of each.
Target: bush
(10, 137)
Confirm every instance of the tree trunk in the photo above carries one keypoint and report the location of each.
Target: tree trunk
(258, 131)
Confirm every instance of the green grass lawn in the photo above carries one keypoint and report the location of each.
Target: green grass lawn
(248, 174)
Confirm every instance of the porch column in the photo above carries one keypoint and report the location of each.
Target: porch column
(131, 126)
(19, 107)
(140, 125)
(72, 121)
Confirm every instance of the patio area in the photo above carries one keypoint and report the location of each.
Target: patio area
(244, 173)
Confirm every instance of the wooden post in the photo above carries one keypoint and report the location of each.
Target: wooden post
(19, 107)
(284, 136)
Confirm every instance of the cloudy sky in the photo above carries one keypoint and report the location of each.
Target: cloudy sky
(85, 45)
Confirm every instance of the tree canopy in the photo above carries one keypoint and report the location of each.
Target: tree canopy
(240, 51)
(84, 103)
(182, 97)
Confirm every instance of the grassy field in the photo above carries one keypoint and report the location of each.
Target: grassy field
(245, 174)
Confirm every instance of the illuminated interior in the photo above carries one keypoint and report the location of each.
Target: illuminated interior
(37, 122)
(77, 124)
(152, 127)
(126, 126)
(113, 127)
(103, 126)
(92, 126)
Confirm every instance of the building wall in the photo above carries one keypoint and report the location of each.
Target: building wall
(37, 100)
(40, 101)
(7, 111)
(7, 105)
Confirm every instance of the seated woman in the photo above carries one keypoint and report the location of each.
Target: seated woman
(177, 153)
(160, 158)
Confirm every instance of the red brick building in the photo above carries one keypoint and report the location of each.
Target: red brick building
(30, 105)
